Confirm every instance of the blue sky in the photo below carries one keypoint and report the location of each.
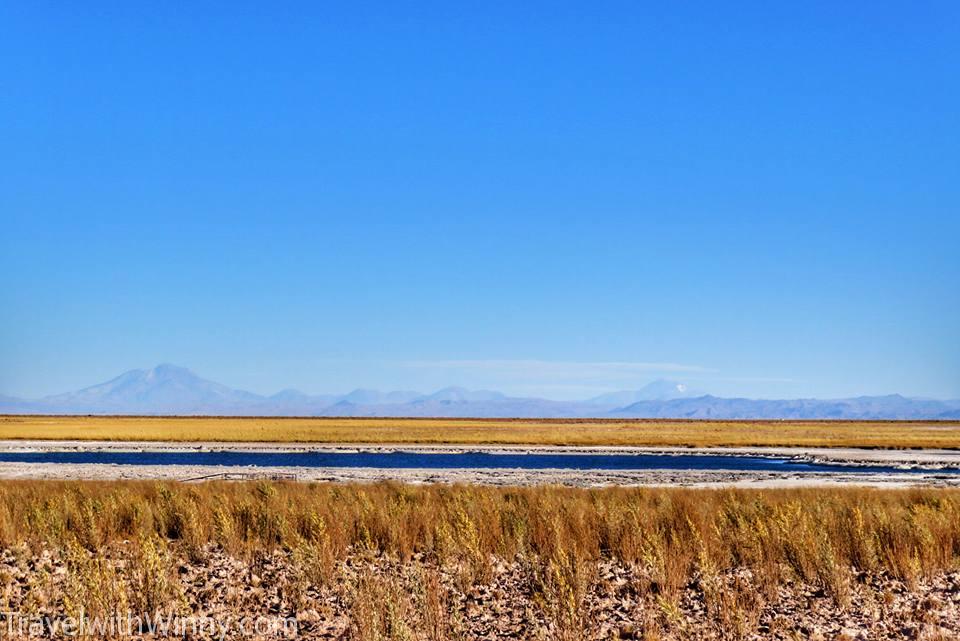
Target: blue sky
(560, 199)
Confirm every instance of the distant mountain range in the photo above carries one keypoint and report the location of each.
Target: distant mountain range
(172, 390)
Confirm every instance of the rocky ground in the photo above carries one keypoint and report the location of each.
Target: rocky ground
(278, 594)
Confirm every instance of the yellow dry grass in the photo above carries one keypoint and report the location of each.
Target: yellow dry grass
(818, 536)
(871, 434)
(377, 554)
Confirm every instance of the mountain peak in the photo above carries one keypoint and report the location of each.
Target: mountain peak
(170, 368)
(362, 396)
(461, 394)
(289, 394)
(164, 389)
(170, 371)
(658, 390)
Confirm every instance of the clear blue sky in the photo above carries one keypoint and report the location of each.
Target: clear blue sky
(548, 198)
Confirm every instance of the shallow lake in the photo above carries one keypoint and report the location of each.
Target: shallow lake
(448, 460)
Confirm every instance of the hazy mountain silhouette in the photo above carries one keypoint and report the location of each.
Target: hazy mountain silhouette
(165, 389)
(172, 390)
(893, 406)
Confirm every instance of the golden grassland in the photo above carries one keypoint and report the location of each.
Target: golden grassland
(827, 538)
(814, 532)
(683, 433)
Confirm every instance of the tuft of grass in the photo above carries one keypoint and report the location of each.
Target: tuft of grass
(639, 432)
(381, 609)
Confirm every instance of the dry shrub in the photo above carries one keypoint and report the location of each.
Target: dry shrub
(380, 608)
(460, 544)
(562, 587)
(562, 564)
(154, 587)
(736, 611)
(93, 588)
(435, 623)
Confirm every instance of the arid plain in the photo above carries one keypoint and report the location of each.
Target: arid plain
(601, 432)
(480, 557)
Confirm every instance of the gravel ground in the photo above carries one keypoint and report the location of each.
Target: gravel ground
(368, 596)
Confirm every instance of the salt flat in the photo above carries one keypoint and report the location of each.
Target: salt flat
(930, 467)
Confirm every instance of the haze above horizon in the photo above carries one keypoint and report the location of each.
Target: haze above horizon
(758, 200)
